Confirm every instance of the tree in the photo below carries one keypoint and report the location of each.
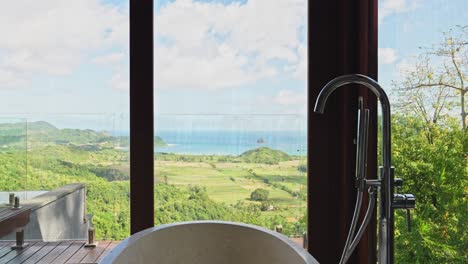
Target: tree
(302, 167)
(436, 84)
(259, 195)
(430, 152)
(436, 174)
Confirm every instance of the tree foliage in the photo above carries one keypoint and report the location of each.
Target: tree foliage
(259, 194)
(436, 172)
(430, 146)
(435, 84)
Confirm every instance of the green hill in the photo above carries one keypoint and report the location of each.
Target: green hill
(159, 142)
(38, 126)
(41, 132)
(41, 126)
(264, 155)
(13, 134)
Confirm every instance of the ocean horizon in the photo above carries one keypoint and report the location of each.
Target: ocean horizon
(231, 142)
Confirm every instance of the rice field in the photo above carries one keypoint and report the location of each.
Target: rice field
(233, 182)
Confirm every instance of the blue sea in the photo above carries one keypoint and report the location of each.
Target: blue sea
(231, 142)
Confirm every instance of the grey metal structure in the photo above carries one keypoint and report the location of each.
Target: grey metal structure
(386, 182)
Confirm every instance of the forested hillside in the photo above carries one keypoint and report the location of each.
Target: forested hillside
(189, 187)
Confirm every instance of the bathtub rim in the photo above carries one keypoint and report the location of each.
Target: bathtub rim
(115, 252)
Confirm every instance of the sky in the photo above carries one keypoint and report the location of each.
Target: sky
(407, 25)
(212, 57)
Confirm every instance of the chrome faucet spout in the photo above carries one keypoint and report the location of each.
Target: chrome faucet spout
(336, 83)
(386, 222)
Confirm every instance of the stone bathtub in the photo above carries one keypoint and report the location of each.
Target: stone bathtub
(208, 242)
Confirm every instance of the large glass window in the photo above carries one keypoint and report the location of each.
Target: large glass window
(64, 115)
(230, 112)
(423, 65)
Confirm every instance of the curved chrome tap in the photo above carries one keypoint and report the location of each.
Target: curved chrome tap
(386, 181)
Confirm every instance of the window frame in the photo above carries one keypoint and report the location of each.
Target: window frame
(141, 115)
(344, 35)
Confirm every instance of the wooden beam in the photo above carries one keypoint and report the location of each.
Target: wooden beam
(12, 219)
(141, 115)
(342, 40)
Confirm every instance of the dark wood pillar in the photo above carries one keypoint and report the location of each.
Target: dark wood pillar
(342, 40)
(141, 116)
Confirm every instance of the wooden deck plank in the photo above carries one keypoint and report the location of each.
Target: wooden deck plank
(79, 255)
(107, 250)
(94, 254)
(71, 251)
(27, 253)
(41, 253)
(4, 244)
(55, 252)
(6, 249)
(14, 253)
(49, 258)
(4, 208)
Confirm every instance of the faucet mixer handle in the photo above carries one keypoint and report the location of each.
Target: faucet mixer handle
(398, 182)
(405, 201)
(410, 204)
(410, 201)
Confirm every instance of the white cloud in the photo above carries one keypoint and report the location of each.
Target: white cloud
(53, 37)
(387, 55)
(199, 45)
(390, 7)
(111, 58)
(406, 65)
(118, 63)
(300, 71)
(9, 79)
(288, 98)
(285, 101)
(212, 45)
(120, 80)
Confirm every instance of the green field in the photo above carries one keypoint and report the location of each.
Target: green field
(232, 182)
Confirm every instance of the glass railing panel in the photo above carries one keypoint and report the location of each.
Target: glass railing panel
(42, 153)
(13, 158)
(90, 149)
(64, 70)
(244, 168)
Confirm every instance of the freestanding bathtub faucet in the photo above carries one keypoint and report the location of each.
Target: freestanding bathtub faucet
(386, 182)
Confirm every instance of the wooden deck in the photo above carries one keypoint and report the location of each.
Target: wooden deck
(60, 252)
(54, 252)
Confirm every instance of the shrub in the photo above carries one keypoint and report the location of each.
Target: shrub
(259, 195)
(302, 167)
